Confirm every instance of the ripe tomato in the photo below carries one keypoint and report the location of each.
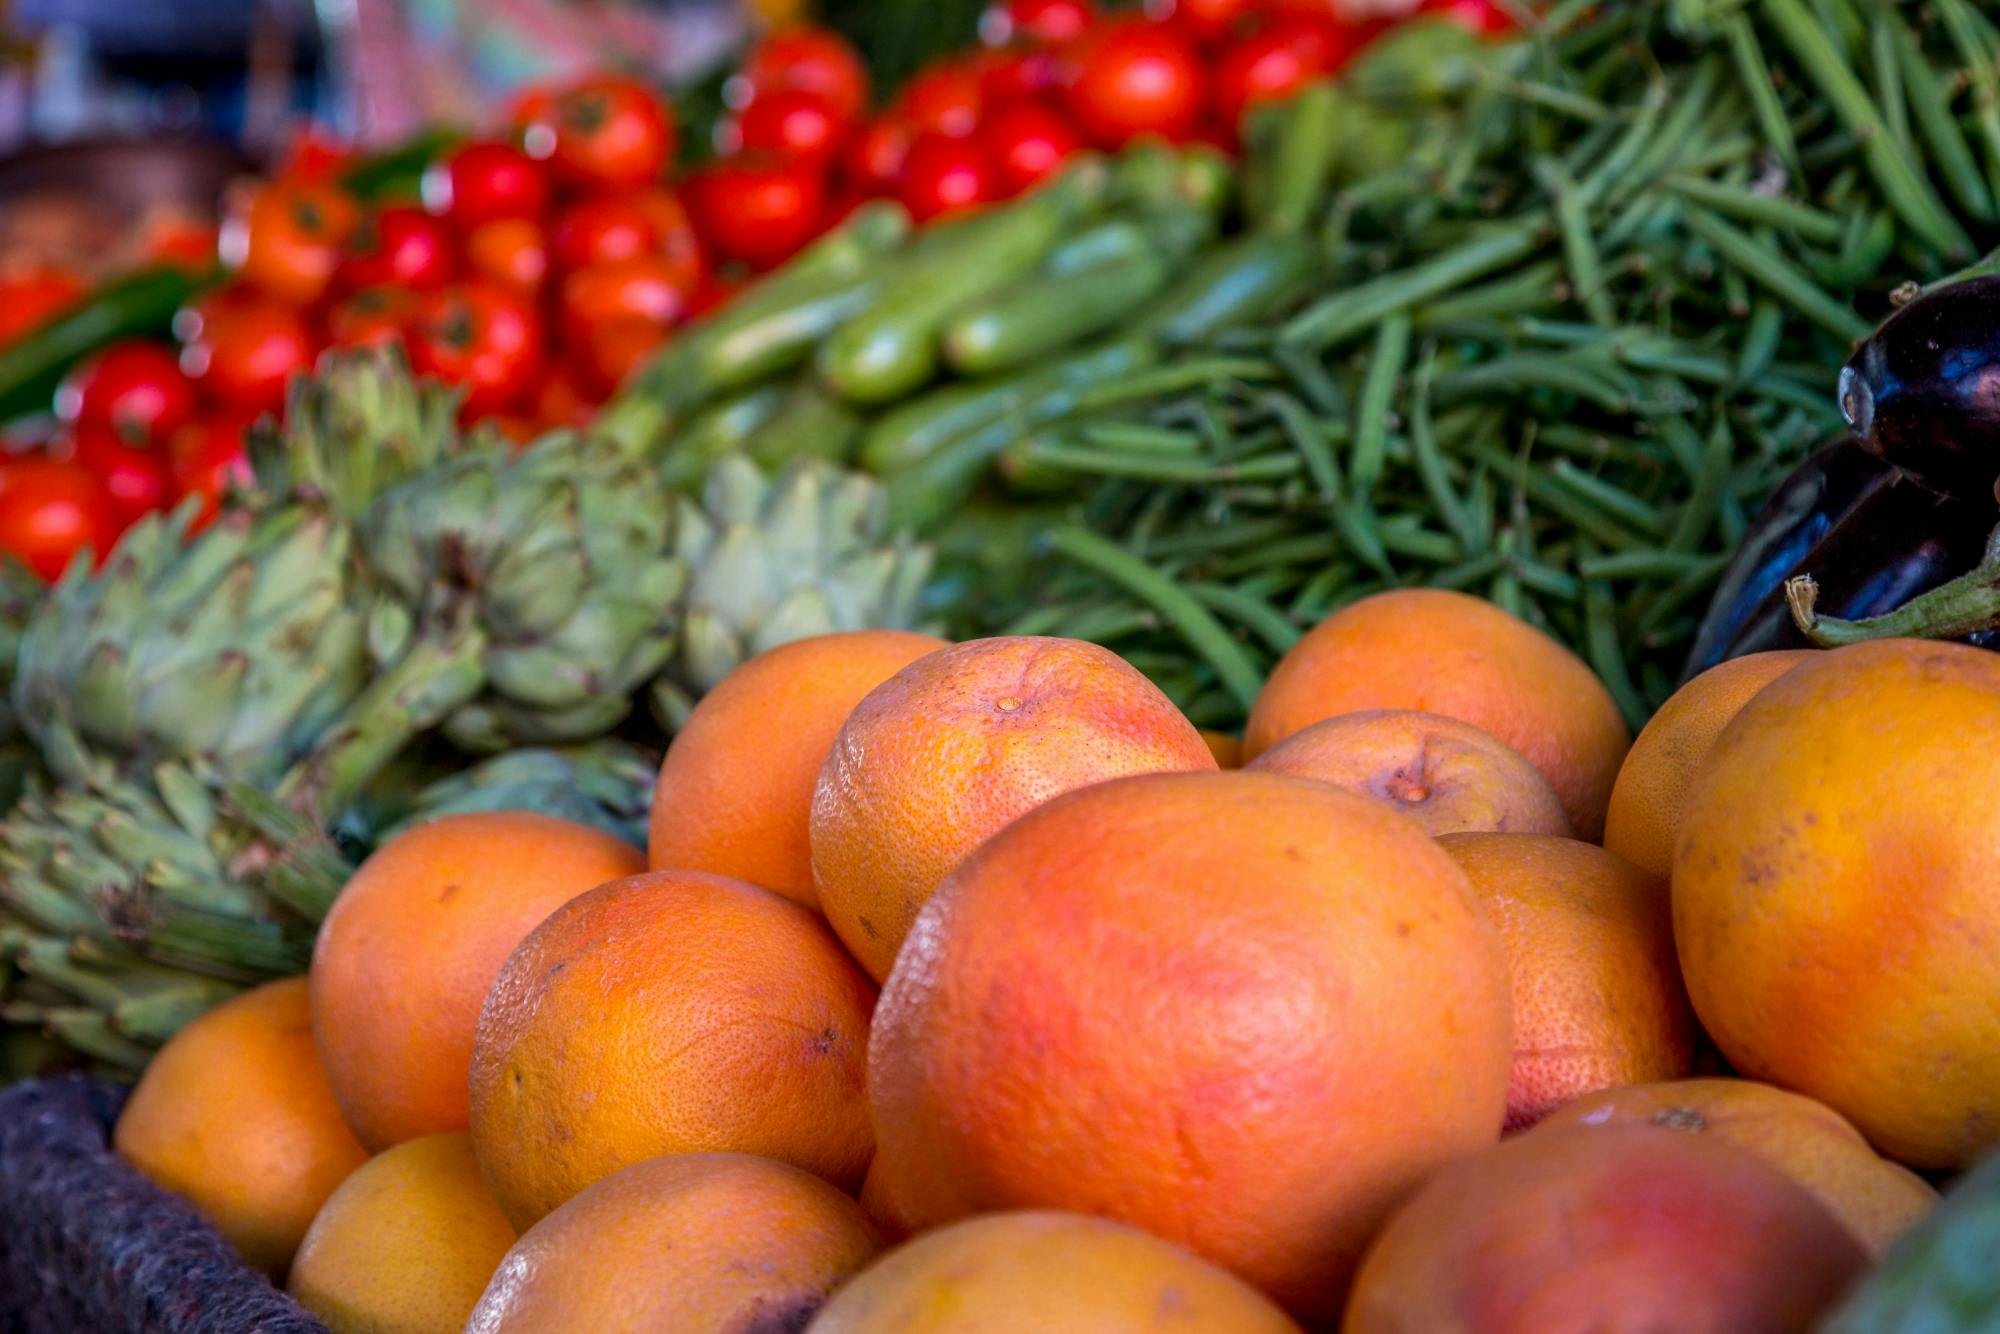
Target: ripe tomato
(711, 295)
(290, 242)
(246, 354)
(790, 123)
(944, 99)
(1484, 17)
(402, 245)
(29, 298)
(606, 131)
(615, 349)
(372, 317)
(1010, 76)
(207, 459)
(1207, 20)
(757, 210)
(485, 182)
(1026, 142)
(947, 175)
(1276, 62)
(134, 390)
(134, 479)
(875, 156)
(560, 400)
(50, 510)
(183, 243)
(481, 337)
(646, 287)
(513, 252)
(1050, 22)
(1132, 77)
(602, 229)
(808, 60)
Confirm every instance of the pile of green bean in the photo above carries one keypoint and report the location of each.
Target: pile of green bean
(1575, 306)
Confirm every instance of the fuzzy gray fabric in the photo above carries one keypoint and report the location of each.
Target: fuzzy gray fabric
(88, 1246)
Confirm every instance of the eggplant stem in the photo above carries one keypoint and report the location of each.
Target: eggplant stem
(1966, 605)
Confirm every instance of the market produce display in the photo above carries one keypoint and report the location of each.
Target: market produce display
(1287, 673)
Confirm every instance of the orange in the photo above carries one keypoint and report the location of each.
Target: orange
(1246, 1012)
(1449, 653)
(1652, 786)
(699, 1243)
(1050, 1272)
(1807, 1141)
(736, 789)
(414, 941)
(1837, 893)
(1598, 1000)
(235, 1114)
(945, 753)
(1448, 776)
(1619, 1228)
(672, 1012)
(1226, 747)
(406, 1244)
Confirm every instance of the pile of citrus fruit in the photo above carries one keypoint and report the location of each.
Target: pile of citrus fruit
(970, 987)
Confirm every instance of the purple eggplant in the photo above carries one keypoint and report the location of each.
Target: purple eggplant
(1923, 393)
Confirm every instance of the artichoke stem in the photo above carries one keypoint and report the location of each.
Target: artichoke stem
(1966, 605)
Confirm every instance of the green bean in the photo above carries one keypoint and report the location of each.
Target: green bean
(1378, 388)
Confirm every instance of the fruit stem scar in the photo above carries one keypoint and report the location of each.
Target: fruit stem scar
(1007, 703)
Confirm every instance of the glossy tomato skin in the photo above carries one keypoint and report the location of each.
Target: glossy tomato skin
(1028, 141)
(134, 478)
(614, 349)
(1277, 61)
(1484, 17)
(486, 182)
(1132, 77)
(134, 390)
(873, 163)
(290, 242)
(561, 400)
(482, 338)
(1209, 20)
(601, 229)
(29, 298)
(810, 60)
(50, 510)
(946, 175)
(207, 460)
(513, 252)
(401, 245)
(790, 123)
(372, 317)
(246, 354)
(757, 210)
(643, 288)
(1046, 22)
(945, 99)
(607, 131)
(1017, 74)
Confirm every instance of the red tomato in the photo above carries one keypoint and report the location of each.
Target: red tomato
(560, 400)
(791, 123)
(207, 460)
(485, 182)
(1132, 77)
(401, 245)
(50, 510)
(483, 338)
(948, 176)
(602, 229)
(647, 288)
(372, 317)
(290, 242)
(875, 156)
(606, 131)
(616, 348)
(1208, 20)
(1278, 61)
(756, 210)
(313, 154)
(809, 60)
(944, 99)
(1052, 22)
(1010, 76)
(1484, 17)
(247, 353)
(1026, 142)
(712, 295)
(134, 390)
(28, 299)
(134, 479)
(513, 252)
(181, 242)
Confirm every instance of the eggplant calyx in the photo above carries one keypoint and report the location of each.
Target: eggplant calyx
(1966, 605)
